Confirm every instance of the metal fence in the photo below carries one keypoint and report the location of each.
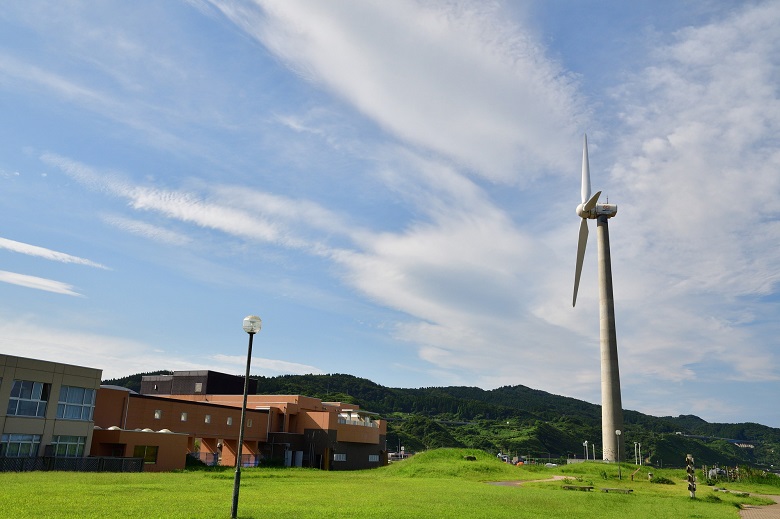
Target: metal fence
(212, 459)
(88, 464)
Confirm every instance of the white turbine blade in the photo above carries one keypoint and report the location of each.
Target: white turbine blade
(583, 242)
(585, 170)
(590, 204)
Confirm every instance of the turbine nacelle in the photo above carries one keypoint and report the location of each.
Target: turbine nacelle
(608, 210)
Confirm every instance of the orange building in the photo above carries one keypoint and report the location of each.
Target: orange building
(182, 428)
(289, 430)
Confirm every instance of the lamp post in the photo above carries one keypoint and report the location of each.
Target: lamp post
(618, 432)
(636, 456)
(252, 325)
(640, 454)
(585, 444)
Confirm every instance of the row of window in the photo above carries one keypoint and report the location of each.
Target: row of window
(26, 445)
(372, 458)
(206, 419)
(29, 398)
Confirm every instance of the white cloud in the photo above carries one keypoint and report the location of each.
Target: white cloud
(117, 356)
(47, 285)
(41, 252)
(699, 193)
(147, 230)
(452, 77)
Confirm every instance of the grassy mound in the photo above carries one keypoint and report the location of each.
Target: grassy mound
(453, 463)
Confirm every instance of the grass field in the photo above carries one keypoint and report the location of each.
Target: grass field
(435, 484)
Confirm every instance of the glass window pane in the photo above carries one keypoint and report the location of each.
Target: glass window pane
(73, 412)
(27, 408)
(76, 395)
(37, 390)
(26, 389)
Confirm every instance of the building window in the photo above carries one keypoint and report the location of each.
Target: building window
(249, 422)
(147, 452)
(19, 445)
(339, 457)
(157, 414)
(28, 398)
(230, 420)
(373, 458)
(184, 417)
(68, 446)
(76, 403)
(198, 387)
(207, 419)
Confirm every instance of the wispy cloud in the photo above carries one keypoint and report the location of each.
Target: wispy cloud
(697, 180)
(233, 210)
(47, 285)
(147, 230)
(41, 252)
(462, 81)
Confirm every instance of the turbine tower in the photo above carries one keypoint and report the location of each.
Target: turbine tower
(611, 404)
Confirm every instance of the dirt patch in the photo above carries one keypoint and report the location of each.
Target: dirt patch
(520, 482)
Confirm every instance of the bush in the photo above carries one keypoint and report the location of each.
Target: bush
(660, 480)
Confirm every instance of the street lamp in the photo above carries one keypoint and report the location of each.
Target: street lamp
(252, 325)
(585, 444)
(636, 456)
(618, 432)
(640, 454)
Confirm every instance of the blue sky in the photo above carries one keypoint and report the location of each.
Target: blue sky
(392, 187)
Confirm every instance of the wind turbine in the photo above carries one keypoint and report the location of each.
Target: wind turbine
(611, 404)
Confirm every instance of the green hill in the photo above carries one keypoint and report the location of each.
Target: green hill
(521, 421)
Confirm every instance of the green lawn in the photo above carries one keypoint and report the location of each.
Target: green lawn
(435, 484)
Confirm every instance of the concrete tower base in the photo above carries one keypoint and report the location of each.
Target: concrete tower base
(611, 402)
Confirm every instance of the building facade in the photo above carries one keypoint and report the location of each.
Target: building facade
(52, 410)
(46, 408)
(294, 430)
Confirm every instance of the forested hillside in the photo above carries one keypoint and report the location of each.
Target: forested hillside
(522, 421)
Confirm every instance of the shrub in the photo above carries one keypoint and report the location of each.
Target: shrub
(660, 480)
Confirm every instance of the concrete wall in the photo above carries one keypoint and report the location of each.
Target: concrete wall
(171, 448)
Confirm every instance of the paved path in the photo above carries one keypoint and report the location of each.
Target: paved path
(518, 483)
(762, 512)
